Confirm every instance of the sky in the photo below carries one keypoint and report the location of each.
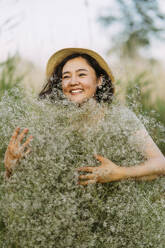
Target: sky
(38, 28)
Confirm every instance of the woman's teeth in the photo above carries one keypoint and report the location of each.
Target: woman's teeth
(76, 91)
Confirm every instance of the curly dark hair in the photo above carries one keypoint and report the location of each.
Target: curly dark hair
(53, 88)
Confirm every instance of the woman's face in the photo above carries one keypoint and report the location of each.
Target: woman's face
(79, 81)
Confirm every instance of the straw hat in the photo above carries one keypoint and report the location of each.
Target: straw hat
(60, 55)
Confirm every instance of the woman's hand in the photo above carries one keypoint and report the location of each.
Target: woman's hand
(15, 150)
(106, 172)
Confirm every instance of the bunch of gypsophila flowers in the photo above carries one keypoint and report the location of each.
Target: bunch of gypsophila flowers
(42, 205)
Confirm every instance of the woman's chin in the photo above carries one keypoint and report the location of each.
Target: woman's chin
(78, 99)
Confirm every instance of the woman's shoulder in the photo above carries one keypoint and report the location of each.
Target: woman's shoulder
(123, 116)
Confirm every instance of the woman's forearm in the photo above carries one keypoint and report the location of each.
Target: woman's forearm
(152, 167)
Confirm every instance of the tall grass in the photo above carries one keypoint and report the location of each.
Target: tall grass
(8, 76)
(138, 95)
(140, 85)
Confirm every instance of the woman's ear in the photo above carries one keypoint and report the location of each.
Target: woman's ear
(99, 81)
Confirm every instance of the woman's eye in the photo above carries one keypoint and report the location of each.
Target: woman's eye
(65, 77)
(82, 74)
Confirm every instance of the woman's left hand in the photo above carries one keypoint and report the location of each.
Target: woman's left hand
(106, 172)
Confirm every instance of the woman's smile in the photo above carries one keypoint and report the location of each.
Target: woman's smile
(76, 91)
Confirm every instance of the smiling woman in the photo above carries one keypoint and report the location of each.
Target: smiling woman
(78, 75)
(62, 67)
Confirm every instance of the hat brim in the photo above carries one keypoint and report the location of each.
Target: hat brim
(60, 55)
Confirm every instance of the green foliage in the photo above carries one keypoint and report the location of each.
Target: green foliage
(8, 76)
(139, 21)
(138, 96)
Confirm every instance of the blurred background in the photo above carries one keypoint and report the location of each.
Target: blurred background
(129, 34)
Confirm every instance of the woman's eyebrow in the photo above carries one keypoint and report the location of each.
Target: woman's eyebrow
(81, 69)
(65, 72)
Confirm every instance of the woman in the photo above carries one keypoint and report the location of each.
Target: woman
(78, 75)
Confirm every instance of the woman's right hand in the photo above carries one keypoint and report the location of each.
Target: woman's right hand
(15, 150)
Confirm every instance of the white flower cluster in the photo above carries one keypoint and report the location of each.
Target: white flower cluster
(42, 205)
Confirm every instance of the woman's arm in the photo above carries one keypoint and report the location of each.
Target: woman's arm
(15, 150)
(155, 163)
(108, 171)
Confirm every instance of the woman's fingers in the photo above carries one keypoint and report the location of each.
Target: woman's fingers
(101, 159)
(87, 182)
(27, 152)
(14, 136)
(102, 174)
(15, 149)
(22, 134)
(86, 169)
(87, 177)
(27, 142)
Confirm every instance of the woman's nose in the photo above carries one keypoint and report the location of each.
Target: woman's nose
(74, 80)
